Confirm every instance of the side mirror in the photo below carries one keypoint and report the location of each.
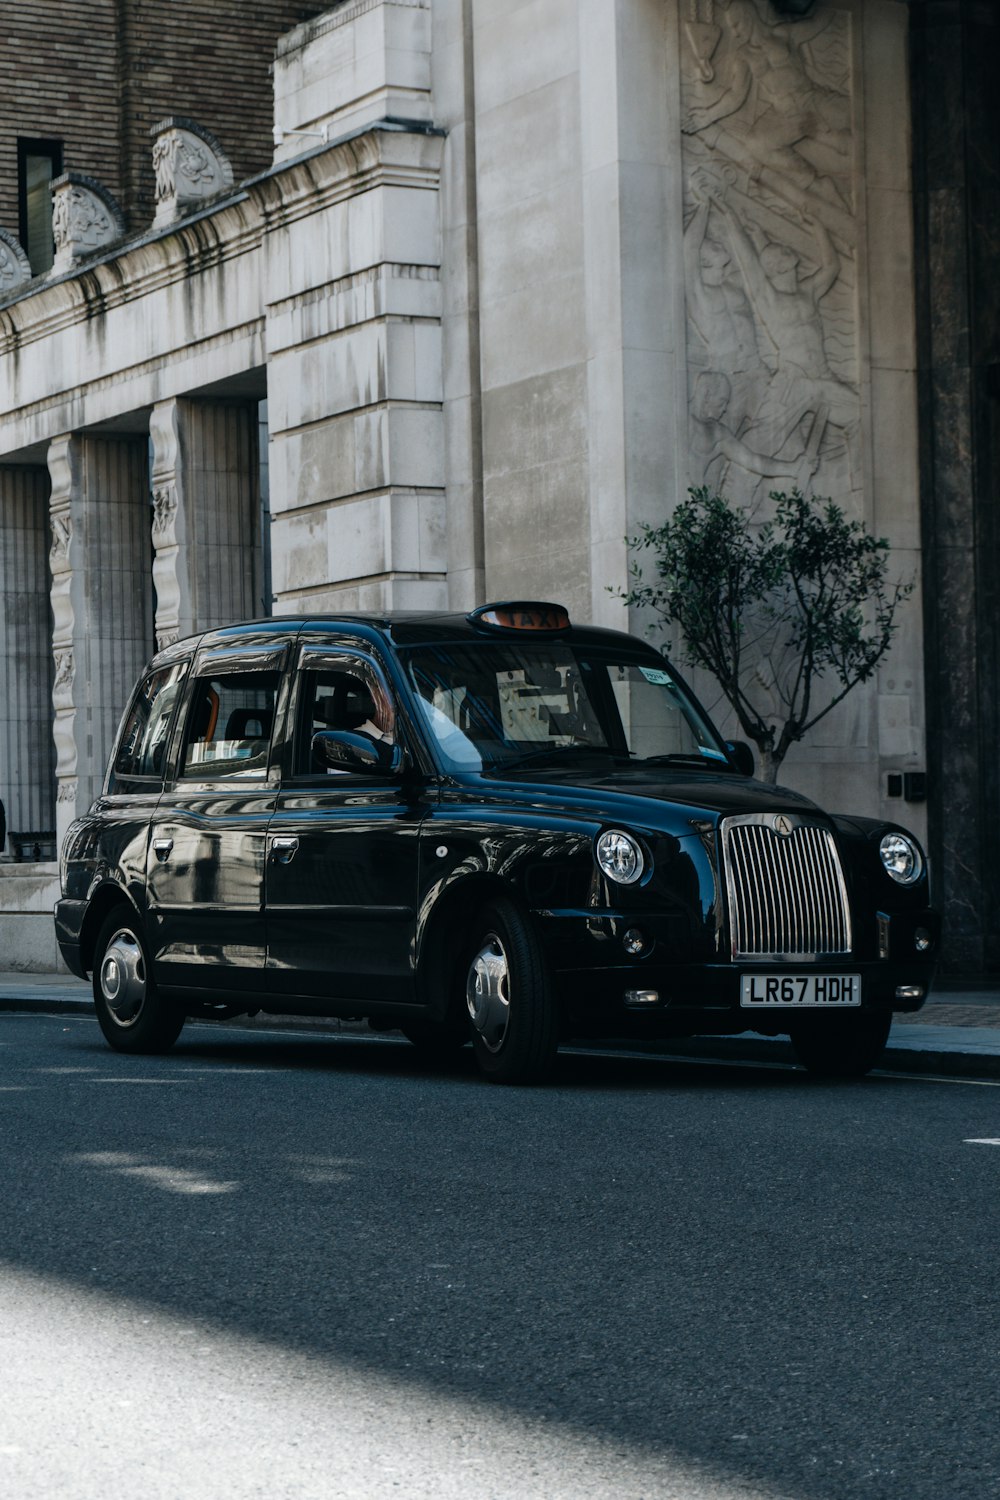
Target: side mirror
(741, 756)
(339, 750)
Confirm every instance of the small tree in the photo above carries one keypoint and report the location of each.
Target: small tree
(773, 611)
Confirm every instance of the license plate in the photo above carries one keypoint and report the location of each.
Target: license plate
(789, 991)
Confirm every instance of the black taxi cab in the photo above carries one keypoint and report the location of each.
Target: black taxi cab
(499, 828)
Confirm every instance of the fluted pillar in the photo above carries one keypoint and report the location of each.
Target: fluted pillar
(27, 785)
(101, 602)
(206, 516)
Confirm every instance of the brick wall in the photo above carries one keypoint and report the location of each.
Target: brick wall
(58, 80)
(96, 74)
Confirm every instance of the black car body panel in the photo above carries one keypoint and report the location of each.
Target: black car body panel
(266, 881)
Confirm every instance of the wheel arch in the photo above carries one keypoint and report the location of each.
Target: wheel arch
(102, 903)
(439, 956)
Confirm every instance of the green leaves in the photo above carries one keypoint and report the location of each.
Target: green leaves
(773, 611)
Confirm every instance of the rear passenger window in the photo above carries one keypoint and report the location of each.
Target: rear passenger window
(230, 725)
(143, 744)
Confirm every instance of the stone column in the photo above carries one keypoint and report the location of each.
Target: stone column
(27, 785)
(101, 610)
(206, 516)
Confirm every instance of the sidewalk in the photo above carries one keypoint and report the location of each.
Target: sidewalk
(957, 1033)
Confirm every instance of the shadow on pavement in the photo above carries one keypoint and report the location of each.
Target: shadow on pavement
(786, 1283)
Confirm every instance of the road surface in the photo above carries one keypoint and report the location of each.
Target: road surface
(287, 1265)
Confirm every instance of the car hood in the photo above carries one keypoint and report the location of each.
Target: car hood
(637, 794)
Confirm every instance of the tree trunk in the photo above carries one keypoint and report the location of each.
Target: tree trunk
(767, 765)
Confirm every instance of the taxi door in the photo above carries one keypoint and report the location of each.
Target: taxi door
(341, 876)
(205, 864)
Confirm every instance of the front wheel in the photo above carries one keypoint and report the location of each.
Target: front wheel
(508, 994)
(845, 1046)
(130, 1010)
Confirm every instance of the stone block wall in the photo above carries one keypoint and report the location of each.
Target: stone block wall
(27, 933)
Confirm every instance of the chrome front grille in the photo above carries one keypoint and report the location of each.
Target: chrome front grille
(787, 896)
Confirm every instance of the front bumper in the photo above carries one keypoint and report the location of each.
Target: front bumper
(69, 918)
(599, 984)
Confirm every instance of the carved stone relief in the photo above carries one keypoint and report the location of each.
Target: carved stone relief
(168, 528)
(190, 167)
(61, 523)
(85, 219)
(770, 249)
(15, 268)
(62, 687)
(164, 512)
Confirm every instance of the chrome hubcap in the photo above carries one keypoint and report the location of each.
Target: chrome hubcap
(123, 977)
(487, 993)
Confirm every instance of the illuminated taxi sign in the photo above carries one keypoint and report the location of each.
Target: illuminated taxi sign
(521, 615)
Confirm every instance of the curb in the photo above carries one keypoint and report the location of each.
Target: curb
(900, 1056)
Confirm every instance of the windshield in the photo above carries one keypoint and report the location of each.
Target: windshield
(512, 703)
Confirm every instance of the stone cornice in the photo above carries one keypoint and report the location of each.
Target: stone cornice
(136, 270)
(387, 154)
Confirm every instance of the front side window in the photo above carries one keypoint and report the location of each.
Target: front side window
(341, 693)
(230, 726)
(142, 745)
(512, 703)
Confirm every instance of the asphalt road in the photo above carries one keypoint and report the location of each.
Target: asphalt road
(284, 1265)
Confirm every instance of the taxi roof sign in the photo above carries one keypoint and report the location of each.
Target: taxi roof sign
(521, 614)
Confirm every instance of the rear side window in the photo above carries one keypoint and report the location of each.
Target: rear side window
(142, 747)
(230, 726)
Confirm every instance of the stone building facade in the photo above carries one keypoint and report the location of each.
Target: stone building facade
(507, 279)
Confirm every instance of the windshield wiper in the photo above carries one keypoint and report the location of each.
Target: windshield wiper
(553, 753)
(682, 758)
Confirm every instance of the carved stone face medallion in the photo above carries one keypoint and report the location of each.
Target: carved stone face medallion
(190, 167)
(15, 268)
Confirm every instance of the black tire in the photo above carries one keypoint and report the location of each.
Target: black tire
(509, 997)
(439, 1040)
(842, 1046)
(130, 1010)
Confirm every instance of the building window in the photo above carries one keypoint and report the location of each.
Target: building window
(38, 162)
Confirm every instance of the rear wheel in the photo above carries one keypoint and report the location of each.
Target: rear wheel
(845, 1046)
(130, 1010)
(509, 998)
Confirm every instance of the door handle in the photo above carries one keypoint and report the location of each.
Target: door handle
(162, 848)
(283, 849)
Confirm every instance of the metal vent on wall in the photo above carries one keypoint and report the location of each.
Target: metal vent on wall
(787, 896)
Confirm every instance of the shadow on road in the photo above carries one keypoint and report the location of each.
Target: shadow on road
(784, 1283)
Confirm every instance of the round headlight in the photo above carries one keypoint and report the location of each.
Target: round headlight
(901, 858)
(620, 857)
